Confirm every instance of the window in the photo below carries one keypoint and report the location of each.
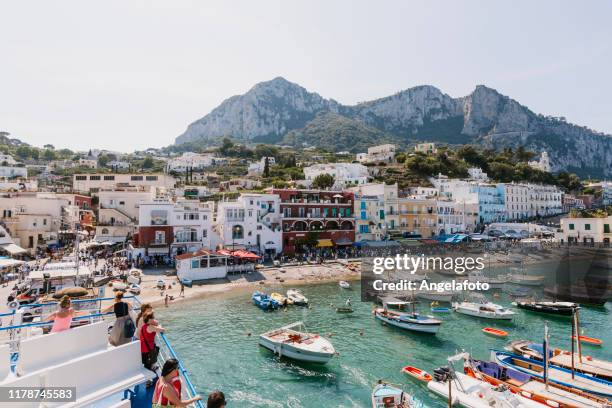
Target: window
(109, 177)
(363, 215)
(151, 178)
(195, 263)
(363, 205)
(587, 227)
(44, 221)
(160, 237)
(80, 178)
(121, 202)
(136, 178)
(204, 233)
(94, 178)
(606, 228)
(237, 232)
(364, 229)
(571, 227)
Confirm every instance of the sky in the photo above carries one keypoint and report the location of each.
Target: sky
(127, 75)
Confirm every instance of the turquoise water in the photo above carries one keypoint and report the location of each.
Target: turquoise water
(211, 336)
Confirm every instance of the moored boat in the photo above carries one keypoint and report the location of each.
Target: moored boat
(589, 340)
(408, 321)
(389, 396)
(436, 309)
(495, 332)
(297, 297)
(417, 373)
(554, 308)
(279, 298)
(557, 375)
(263, 301)
(562, 358)
(527, 386)
(487, 310)
(494, 282)
(289, 341)
(344, 284)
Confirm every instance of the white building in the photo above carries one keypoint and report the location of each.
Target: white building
(118, 212)
(545, 200)
(11, 172)
(585, 230)
(345, 174)
(7, 160)
(476, 173)
(88, 163)
(257, 168)
(86, 183)
(201, 265)
(252, 222)
(376, 210)
(427, 148)
(376, 154)
(606, 189)
(118, 165)
(542, 164)
(195, 161)
(453, 217)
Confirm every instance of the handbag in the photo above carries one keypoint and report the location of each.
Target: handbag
(129, 328)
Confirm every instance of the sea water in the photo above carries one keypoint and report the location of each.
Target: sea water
(212, 338)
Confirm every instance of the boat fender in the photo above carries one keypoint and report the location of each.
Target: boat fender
(589, 358)
(552, 403)
(526, 394)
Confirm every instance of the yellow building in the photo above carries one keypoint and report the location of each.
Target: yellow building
(417, 216)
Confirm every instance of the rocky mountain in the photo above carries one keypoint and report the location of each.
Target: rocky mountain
(281, 111)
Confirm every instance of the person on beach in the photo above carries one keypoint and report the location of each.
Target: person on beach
(145, 308)
(148, 349)
(122, 314)
(216, 399)
(167, 391)
(62, 319)
(182, 292)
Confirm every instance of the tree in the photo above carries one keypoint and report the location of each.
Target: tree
(226, 146)
(23, 152)
(323, 181)
(266, 170)
(49, 154)
(147, 163)
(103, 160)
(49, 146)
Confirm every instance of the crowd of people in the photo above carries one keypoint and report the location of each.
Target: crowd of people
(144, 328)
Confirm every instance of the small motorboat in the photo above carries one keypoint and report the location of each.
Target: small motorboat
(553, 308)
(495, 332)
(487, 310)
(280, 299)
(297, 297)
(263, 301)
(292, 342)
(589, 340)
(388, 396)
(344, 284)
(417, 373)
(408, 321)
(344, 310)
(436, 309)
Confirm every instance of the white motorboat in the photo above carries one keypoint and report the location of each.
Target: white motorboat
(408, 321)
(389, 396)
(297, 297)
(344, 284)
(487, 310)
(290, 342)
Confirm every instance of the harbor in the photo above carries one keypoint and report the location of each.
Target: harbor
(218, 337)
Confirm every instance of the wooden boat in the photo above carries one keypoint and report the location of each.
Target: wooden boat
(530, 387)
(471, 392)
(417, 373)
(557, 375)
(292, 342)
(297, 297)
(589, 340)
(495, 332)
(408, 321)
(487, 310)
(562, 358)
(344, 284)
(553, 308)
(263, 301)
(388, 396)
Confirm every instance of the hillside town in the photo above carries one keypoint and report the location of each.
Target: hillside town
(156, 217)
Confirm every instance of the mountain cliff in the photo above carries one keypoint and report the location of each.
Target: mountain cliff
(281, 111)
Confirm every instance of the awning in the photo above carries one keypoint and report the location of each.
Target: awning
(245, 255)
(343, 241)
(13, 249)
(157, 250)
(323, 243)
(7, 263)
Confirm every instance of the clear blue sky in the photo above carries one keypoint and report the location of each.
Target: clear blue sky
(127, 75)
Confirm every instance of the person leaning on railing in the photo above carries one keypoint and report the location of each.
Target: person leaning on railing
(168, 388)
(122, 314)
(148, 348)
